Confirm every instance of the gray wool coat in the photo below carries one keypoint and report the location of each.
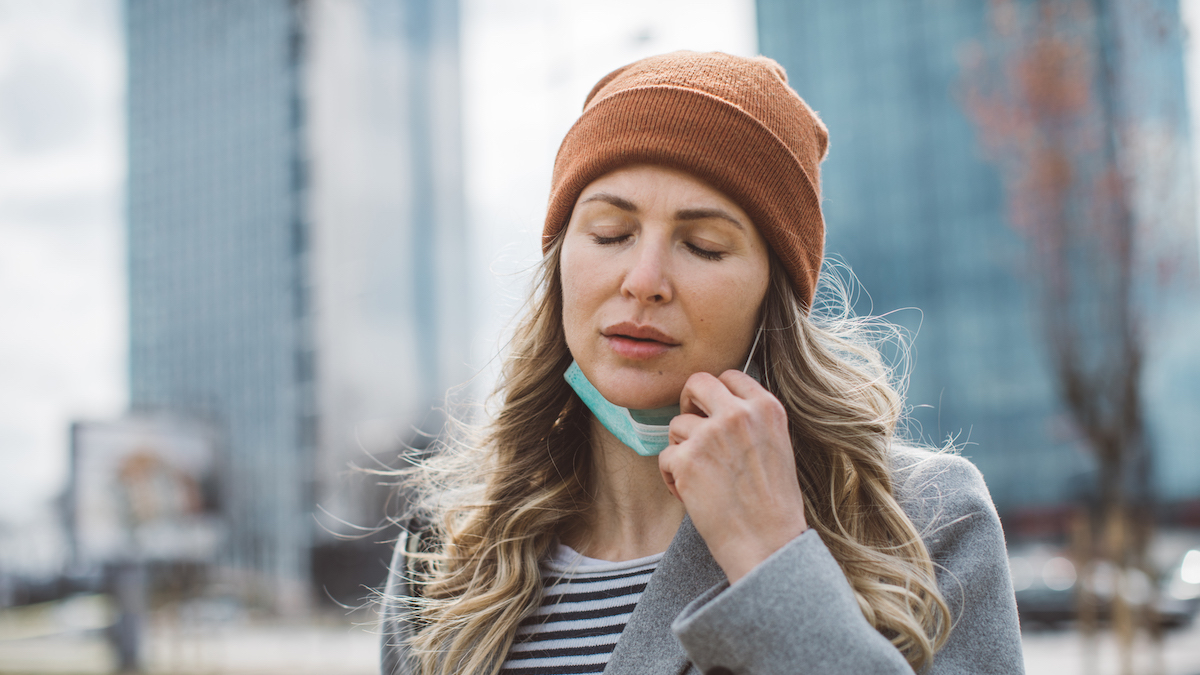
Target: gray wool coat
(796, 612)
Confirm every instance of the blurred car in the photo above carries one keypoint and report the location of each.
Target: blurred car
(1045, 581)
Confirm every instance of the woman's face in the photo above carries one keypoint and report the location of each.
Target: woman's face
(662, 277)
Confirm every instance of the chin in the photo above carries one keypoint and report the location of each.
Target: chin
(641, 390)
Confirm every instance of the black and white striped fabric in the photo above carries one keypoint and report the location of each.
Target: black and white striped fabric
(586, 605)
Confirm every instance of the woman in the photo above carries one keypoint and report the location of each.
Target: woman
(689, 470)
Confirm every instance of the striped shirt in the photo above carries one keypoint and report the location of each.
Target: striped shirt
(585, 606)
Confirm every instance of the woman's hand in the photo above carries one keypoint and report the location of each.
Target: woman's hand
(730, 462)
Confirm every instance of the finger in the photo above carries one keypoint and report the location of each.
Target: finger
(670, 481)
(665, 459)
(683, 426)
(703, 394)
(742, 385)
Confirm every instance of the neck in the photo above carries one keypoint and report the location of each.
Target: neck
(633, 515)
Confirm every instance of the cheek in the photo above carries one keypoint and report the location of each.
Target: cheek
(573, 317)
(727, 312)
(579, 291)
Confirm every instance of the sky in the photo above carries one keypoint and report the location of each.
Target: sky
(62, 331)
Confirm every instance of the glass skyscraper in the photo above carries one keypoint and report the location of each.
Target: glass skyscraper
(294, 223)
(915, 210)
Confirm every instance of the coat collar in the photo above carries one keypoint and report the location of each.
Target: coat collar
(647, 646)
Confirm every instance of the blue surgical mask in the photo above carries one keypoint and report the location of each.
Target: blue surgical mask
(646, 431)
(643, 430)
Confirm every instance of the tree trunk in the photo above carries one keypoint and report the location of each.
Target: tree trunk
(1086, 605)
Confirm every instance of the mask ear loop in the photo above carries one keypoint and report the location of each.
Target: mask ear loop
(766, 370)
(753, 347)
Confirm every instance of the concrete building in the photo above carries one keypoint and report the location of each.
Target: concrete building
(295, 247)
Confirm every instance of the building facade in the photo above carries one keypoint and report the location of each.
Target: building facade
(294, 227)
(918, 213)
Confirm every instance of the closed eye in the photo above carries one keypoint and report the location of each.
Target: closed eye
(604, 241)
(705, 253)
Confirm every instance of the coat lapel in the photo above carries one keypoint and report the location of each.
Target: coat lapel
(647, 646)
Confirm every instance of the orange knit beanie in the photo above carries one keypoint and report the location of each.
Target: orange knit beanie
(729, 120)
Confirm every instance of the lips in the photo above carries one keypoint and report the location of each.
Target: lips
(628, 329)
(638, 342)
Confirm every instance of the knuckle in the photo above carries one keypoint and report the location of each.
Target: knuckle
(740, 416)
(773, 410)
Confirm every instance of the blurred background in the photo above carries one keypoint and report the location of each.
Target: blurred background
(246, 248)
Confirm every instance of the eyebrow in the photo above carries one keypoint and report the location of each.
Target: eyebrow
(682, 214)
(702, 214)
(619, 202)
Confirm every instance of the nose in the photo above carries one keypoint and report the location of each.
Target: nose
(647, 280)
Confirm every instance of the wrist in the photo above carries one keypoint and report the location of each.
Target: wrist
(739, 556)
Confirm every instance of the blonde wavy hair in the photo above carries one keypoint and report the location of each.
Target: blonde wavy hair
(497, 497)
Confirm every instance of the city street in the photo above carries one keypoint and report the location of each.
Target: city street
(1062, 652)
(328, 644)
(333, 644)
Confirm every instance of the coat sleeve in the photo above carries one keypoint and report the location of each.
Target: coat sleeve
(796, 611)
